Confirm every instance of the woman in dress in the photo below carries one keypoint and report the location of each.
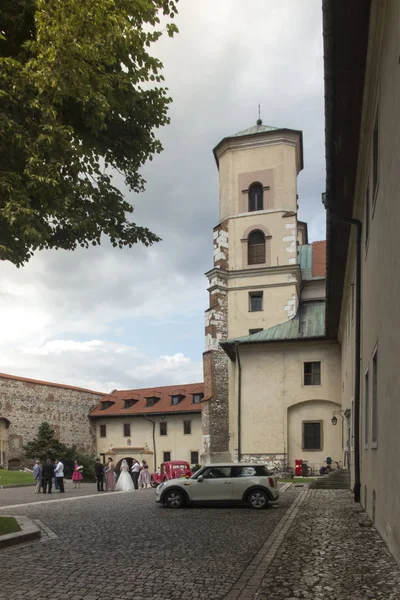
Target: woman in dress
(77, 475)
(125, 483)
(110, 475)
(144, 476)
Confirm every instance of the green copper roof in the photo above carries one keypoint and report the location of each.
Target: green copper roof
(305, 260)
(255, 129)
(309, 323)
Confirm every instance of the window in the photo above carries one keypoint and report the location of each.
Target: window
(175, 400)
(256, 248)
(217, 472)
(366, 219)
(312, 438)
(255, 301)
(251, 331)
(375, 158)
(106, 404)
(251, 471)
(127, 430)
(256, 200)
(166, 456)
(312, 373)
(163, 428)
(187, 427)
(103, 430)
(366, 409)
(151, 401)
(374, 423)
(194, 458)
(129, 403)
(197, 398)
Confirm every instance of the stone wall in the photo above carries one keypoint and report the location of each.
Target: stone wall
(27, 403)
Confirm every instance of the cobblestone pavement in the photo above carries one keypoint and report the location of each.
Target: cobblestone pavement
(23, 495)
(124, 545)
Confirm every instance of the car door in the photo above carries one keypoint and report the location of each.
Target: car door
(215, 484)
(243, 478)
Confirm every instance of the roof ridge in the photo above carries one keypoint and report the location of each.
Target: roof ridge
(51, 384)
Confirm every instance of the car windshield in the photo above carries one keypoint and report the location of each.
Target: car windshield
(179, 466)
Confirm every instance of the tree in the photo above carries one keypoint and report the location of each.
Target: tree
(80, 96)
(44, 445)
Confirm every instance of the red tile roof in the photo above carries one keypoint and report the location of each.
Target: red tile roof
(59, 385)
(163, 405)
(319, 259)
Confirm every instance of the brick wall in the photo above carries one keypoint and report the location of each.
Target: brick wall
(27, 404)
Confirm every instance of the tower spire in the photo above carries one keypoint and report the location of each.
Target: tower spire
(259, 121)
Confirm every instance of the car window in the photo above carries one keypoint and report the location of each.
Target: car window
(217, 472)
(251, 471)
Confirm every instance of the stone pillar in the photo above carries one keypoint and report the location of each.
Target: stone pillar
(215, 416)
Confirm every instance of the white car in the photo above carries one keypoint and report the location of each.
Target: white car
(246, 483)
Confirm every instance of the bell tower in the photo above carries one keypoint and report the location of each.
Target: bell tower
(255, 281)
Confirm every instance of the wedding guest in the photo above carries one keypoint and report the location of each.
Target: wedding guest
(77, 475)
(37, 475)
(135, 473)
(48, 474)
(54, 475)
(144, 476)
(98, 469)
(59, 473)
(110, 479)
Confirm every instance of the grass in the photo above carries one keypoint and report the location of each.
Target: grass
(15, 477)
(298, 480)
(8, 525)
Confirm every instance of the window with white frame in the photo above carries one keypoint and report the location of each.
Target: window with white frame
(374, 401)
(312, 373)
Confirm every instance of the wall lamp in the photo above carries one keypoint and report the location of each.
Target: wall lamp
(342, 413)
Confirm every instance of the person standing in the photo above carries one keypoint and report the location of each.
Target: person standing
(98, 469)
(135, 473)
(48, 474)
(59, 473)
(144, 476)
(54, 475)
(37, 475)
(110, 479)
(77, 475)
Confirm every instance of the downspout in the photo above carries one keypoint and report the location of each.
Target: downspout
(239, 444)
(154, 441)
(357, 358)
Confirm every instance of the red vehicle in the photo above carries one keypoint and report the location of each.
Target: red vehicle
(173, 469)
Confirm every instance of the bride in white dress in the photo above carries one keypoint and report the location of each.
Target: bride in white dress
(124, 483)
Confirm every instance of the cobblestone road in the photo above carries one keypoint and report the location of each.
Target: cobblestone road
(123, 545)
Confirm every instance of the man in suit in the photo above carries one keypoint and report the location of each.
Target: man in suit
(47, 474)
(98, 468)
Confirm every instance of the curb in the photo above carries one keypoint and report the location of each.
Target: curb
(29, 532)
(17, 485)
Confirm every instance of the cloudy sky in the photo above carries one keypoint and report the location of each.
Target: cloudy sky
(106, 318)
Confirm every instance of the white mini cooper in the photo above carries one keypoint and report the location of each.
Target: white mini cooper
(245, 483)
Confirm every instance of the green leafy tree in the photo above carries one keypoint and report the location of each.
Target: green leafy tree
(80, 97)
(44, 445)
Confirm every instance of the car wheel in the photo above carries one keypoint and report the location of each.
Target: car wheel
(153, 483)
(257, 499)
(174, 499)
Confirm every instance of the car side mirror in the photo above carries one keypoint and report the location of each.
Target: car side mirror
(200, 478)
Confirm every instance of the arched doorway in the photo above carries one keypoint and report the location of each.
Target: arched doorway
(14, 464)
(129, 460)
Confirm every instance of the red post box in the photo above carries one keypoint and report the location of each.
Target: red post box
(298, 467)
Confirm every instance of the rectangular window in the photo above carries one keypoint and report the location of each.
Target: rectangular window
(251, 331)
(166, 456)
(312, 438)
(103, 430)
(194, 458)
(366, 224)
(366, 409)
(163, 428)
(129, 403)
(197, 398)
(312, 373)
(255, 301)
(187, 427)
(374, 423)
(375, 158)
(175, 400)
(127, 430)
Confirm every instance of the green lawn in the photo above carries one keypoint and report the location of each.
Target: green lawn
(8, 525)
(15, 477)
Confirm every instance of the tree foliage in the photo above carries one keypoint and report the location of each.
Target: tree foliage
(80, 96)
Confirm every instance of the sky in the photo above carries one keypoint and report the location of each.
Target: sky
(109, 319)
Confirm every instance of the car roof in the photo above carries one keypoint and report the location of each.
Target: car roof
(228, 464)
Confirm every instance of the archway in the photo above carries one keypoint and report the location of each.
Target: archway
(129, 460)
(14, 464)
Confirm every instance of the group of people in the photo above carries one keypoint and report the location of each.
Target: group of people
(107, 480)
(44, 475)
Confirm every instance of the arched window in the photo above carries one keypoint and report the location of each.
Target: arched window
(256, 197)
(256, 248)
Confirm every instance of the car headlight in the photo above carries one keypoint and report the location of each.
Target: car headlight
(159, 487)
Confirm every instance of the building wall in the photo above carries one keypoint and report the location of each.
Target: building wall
(180, 445)
(3, 442)
(380, 319)
(273, 394)
(28, 404)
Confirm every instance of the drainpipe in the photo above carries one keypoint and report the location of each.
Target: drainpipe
(357, 359)
(239, 445)
(154, 441)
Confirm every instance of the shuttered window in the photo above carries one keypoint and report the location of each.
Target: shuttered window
(312, 438)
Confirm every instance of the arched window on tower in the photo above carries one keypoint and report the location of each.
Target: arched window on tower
(256, 248)
(256, 197)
